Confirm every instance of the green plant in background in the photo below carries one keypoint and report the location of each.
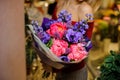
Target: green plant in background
(110, 69)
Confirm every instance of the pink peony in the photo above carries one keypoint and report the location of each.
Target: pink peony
(59, 47)
(57, 29)
(78, 52)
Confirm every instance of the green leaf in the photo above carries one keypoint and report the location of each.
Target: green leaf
(109, 59)
(110, 69)
(49, 44)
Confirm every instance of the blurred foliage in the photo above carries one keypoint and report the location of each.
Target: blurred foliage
(30, 52)
(30, 55)
(103, 28)
(108, 20)
(110, 69)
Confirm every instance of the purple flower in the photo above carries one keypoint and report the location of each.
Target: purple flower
(83, 24)
(73, 36)
(34, 22)
(88, 45)
(59, 20)
(44, 37)
(86, 26)
(89, 16)
(36, 27)
(82, 30)
(76, 26)
(64, 58)
(64, 16)
(46, 23)
(86, 39)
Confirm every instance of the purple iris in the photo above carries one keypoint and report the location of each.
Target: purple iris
(88, 45)
(64, 58)
(44, 37)
(73, 36)
(46, 23)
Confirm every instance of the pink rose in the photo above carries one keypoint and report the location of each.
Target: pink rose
(59, 47)
(78, 52)
(57, 29)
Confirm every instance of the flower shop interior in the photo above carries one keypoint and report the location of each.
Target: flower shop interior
(21, 61)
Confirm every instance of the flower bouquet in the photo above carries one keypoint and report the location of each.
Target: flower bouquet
(61, 41)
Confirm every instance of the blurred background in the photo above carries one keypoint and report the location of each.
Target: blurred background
(106, 35)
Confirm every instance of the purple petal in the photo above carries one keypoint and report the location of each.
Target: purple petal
(46, 23)
(44, 37)
(88, 45)
(64, 58)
